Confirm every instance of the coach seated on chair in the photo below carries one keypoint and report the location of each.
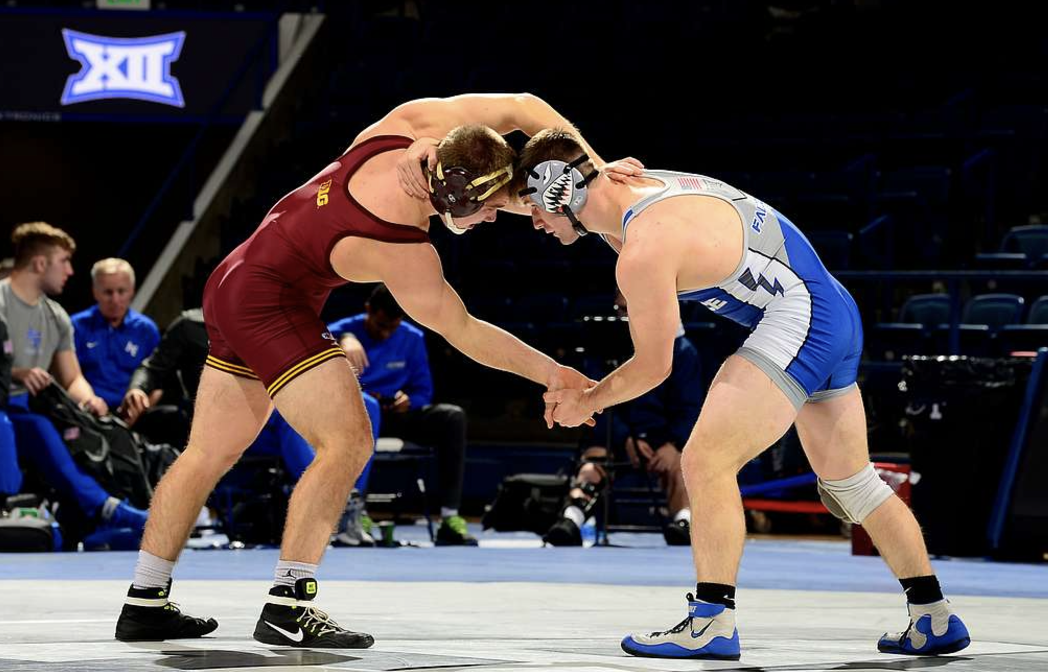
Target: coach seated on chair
(111, 338)
(171, 375)
(389, 356)
(650, 431)
(41, 335)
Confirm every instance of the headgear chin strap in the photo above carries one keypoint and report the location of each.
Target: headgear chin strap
(454, 192)
(560, 188)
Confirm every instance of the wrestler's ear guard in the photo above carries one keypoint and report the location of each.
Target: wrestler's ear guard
(455, 192)
(560, 188)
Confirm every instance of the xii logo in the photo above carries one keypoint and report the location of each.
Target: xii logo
(117, 67)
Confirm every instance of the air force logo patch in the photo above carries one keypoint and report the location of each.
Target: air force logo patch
(118, 67)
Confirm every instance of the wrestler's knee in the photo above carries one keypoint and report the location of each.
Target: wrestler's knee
(212, 458)
(352, 447)
(694, 462)
(703, 460)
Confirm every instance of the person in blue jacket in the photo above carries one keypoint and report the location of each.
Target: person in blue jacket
(389, 356)
(111, 338)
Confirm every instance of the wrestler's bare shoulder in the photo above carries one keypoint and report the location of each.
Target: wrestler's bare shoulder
(703, 236)
(391, 124)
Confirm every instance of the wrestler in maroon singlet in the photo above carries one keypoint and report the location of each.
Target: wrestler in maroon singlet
(262, 304)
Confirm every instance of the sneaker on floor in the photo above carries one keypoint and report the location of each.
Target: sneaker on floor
(708, 633)
(119, 514)
(351, 531)
(453, 532)
(563, 533)
(933, 629)
(148, 616)
(677, 533)
(290, 619)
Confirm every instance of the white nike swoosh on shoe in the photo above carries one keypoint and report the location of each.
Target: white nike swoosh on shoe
(294, 637)
(700, 633)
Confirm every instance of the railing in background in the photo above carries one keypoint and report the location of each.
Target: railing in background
(952, 281)
(265, 47)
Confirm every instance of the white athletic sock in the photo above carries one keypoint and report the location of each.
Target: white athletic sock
(575, 515)
(683, 514)
(289, 571)
(151, 571)
(446, 512)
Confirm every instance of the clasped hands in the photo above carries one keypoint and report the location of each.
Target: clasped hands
(568, 399)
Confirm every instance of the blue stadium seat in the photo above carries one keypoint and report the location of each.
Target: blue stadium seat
(911, 334)
(926, 309)
(1030, 240)
(1038, 311)
(983, 317)
(993, 310)
(1031, 335)
(1021, 247)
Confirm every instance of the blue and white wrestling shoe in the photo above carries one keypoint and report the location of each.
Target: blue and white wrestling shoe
(933, 629)
(708, 632)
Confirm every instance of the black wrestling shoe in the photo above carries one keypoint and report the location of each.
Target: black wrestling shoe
(148, 616)
(564, 533)
(677, 533)
(290, 619)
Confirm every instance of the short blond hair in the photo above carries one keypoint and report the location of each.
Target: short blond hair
(109, 266)
(35, 238)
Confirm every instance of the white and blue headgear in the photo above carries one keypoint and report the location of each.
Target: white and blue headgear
(560, 188)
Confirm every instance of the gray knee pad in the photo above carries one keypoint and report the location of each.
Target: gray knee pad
(852, 499)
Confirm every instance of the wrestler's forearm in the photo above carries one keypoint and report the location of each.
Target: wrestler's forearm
(535, 114)
(497, 348)
(627, 382)
(505, 113)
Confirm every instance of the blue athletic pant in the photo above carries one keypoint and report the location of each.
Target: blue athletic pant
(40, 446)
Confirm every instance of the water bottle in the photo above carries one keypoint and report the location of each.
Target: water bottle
(589, 532)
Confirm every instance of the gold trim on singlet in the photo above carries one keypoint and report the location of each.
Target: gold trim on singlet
(303, 366)
(235, 369)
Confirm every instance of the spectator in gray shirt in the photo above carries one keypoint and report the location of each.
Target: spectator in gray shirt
(41, 335)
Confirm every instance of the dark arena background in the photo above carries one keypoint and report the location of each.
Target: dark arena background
(907, 140)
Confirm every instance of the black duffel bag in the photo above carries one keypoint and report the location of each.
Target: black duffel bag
(527, 502)
(105, 448)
